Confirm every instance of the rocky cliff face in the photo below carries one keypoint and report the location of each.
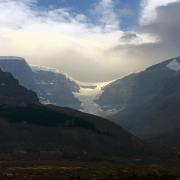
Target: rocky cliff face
(11, 92)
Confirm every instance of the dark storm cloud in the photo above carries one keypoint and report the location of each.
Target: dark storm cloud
(167, 24)
(129, 37)
(166, 29)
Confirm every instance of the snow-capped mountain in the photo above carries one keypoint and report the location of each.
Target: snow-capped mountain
(51, 86)
(118, 93)
(148, 101)
(18, 67)
(55, 88)
(29, 129)
(12, 93)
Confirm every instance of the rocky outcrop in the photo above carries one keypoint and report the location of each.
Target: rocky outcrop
(11, 92)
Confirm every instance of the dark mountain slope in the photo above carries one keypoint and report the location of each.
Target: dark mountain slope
(153, 108)
(51, 86)
(156, 116)
(30, 130)
(42, 130)
(13, 93)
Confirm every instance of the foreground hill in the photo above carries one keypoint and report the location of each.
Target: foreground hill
(36, 130)
(30, 130)
(148, 101)
(11, 92)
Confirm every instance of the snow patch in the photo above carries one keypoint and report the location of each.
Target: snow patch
(174, 65)
(36, 68)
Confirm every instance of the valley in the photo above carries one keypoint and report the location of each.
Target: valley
(88, 95)
(89, 90)
(126, 121)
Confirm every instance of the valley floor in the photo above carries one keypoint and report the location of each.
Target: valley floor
(85, 171)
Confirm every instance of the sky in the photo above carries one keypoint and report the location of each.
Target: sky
(91, 40)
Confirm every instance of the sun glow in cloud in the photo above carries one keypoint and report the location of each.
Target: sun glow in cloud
(71, 41)
(58, 37)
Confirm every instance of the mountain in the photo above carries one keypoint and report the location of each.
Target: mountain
(18, 67)
(11, 92)
(55, 88)
(51, 86)
(116, 94)
(30, 130)
(147, 101)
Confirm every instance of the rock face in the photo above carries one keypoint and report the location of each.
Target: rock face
(148, 101)
(51, 86)
(29, 129)
(19, 69)
(55, 88)
(13, 93)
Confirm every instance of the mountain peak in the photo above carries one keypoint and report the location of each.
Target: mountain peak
(12, 58)
(165, 64)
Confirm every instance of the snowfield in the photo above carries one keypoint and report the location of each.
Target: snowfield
(87, 95)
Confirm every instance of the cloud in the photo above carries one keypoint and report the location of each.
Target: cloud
(107, 17)
(15, 13)
(130, 38)
(149, 12)
(60, 38)
(165, 30)
(89, 51)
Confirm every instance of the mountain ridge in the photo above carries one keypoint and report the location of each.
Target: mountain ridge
(49, 85)
(30, 130)
(152, 106)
